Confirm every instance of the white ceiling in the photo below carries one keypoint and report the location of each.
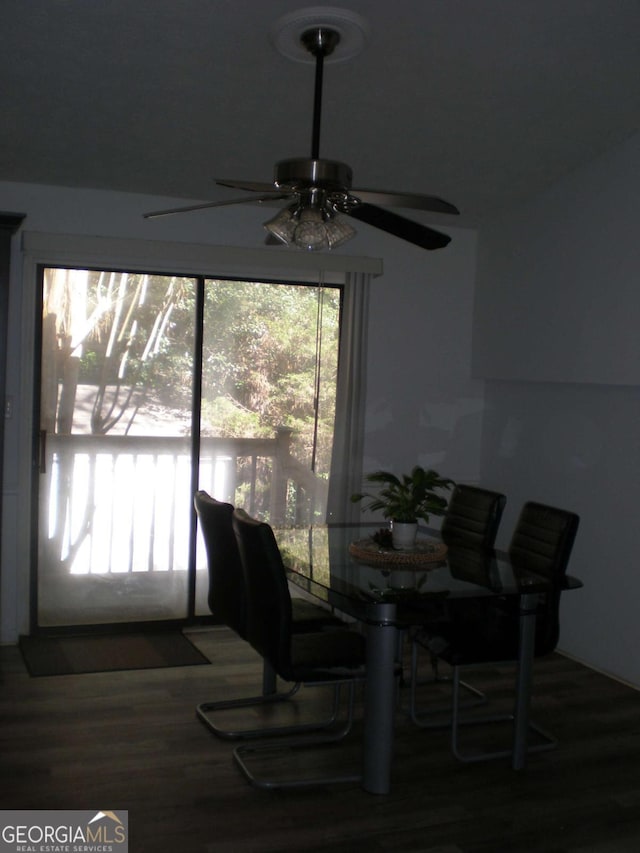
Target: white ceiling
(482, 102)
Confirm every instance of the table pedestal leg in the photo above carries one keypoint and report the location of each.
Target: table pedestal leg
(379, 708)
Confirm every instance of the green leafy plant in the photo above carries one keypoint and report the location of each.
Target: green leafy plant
(406, 498)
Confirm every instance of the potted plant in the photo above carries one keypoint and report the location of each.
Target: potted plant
(406, 499)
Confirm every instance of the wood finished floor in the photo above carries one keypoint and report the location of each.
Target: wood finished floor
(130, 740)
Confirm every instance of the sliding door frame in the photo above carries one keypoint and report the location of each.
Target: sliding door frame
(59, 250)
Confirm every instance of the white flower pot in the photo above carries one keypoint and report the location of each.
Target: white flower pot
(403, 535)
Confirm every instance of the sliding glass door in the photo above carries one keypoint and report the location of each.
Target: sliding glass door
(152, 386)
(268, 399)
(116, 403)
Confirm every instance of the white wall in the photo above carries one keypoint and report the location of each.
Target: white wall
(558, 297)
(423, 406)
(557, 339)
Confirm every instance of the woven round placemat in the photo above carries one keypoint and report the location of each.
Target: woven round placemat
(425, 551)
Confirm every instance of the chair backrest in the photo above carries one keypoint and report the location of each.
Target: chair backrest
(472, 517)
(542, 542)
(475, 565)
(543, 539)
(268, 597)
(227, 594)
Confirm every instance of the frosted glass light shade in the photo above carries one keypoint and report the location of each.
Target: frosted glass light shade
(310, 228)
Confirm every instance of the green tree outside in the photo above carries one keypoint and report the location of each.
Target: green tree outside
(270, 354)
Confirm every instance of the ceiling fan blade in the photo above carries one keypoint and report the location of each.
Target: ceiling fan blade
(413, 232)
(253, 186)
(273, 196)
(395, 199)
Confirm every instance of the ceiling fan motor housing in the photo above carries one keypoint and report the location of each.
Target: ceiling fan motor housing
(304, 173)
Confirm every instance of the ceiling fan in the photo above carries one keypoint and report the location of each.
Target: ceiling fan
(321, 190)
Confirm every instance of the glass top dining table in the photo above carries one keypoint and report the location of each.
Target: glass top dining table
(389, 591)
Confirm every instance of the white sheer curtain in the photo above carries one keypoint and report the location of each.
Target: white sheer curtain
(348, 436)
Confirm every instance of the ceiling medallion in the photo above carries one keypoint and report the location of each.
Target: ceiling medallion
(353, 30)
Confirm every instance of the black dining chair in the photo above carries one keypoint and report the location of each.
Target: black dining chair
(472, 517)
(541, 544)
(471, 521)
(227, 600)
(333, 658)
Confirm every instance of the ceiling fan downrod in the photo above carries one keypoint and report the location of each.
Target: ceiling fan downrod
(320, 42)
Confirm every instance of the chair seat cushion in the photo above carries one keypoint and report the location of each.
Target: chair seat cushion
(327, 655)
(476, 635)
(485, 629)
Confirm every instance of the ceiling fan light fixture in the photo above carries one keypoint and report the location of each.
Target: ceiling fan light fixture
(310, 232)
(309, 227)
(338, 231)
(282, 225)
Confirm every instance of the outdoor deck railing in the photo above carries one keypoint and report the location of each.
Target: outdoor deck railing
(123, 503)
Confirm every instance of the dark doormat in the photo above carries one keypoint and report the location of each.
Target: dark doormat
(103, 653)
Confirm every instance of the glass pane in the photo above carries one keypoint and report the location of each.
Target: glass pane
(270, 356)
(116, 403)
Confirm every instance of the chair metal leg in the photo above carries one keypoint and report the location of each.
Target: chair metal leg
(269, 678)
(269, 696)
(550, 742)
(243, 753)
(425, 719)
